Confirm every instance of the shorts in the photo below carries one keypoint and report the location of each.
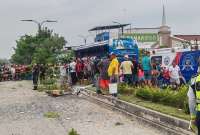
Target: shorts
(147, 75)
(104, 84)
(175, 80)
(141, 79)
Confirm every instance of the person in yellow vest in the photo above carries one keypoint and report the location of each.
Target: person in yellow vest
(194, 102)
(113, 70)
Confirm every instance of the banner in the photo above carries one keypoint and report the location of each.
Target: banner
(143, 37)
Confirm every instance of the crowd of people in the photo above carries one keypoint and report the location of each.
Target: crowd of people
(104, 71)
(13, 72)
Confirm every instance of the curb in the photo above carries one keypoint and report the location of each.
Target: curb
(166, 123)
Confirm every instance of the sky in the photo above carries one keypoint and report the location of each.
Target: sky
(76, 17)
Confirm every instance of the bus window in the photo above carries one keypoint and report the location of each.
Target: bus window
(156, 59)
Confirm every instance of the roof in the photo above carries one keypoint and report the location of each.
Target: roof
(108, 27)
(189, 37)
(147, 28)
(90, 45)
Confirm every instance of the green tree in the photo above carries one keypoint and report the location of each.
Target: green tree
(4, 61)
(41, 48)
(66, 56)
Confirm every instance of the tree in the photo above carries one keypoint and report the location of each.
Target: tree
(66, 56)
(41, 48)
(4, 61)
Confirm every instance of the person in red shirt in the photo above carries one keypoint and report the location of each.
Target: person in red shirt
(166, 76)
(79, 70)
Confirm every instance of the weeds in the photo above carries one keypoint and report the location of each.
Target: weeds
(51, 115)
(73, 132)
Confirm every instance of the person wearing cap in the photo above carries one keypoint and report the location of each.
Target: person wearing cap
(146, 65)
(126, 67)
(113, 69)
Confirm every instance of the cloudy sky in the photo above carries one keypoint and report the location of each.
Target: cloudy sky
(75, 17)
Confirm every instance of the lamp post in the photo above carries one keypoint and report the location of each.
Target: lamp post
(120, 26)
(39, 23)
(84, 38)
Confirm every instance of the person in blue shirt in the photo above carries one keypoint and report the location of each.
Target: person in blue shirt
(146, 65)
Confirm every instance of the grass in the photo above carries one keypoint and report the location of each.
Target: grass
(51, 115)
(156, 106)
(73, 132)
(172, 111)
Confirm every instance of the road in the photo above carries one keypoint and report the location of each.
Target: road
(22, 113)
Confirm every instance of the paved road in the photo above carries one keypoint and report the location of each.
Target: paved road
(22, 113)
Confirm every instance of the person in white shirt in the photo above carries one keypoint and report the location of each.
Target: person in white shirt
(12, 72)
(72, 67)
(63, 76)
(126, 67)
(174, 72)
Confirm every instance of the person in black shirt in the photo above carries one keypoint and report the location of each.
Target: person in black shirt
(35, 71)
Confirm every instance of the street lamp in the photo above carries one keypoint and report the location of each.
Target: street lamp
(39, 23)
(120, 26)
(84, 38)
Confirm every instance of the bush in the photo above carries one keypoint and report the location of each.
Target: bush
(167, 97)
(124, 88)
(144, 93)
(48, 81)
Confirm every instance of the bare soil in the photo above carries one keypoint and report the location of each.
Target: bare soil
(22, 113)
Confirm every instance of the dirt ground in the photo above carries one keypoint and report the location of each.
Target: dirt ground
(22, 113)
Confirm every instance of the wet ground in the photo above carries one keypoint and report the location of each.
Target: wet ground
(22, 113)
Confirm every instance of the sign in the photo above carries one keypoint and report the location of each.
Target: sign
(121, 44)
(188, 63)
(124, 46)
(143, 37)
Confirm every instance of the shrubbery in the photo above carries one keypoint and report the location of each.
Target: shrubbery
(167, 96)
(124, 88)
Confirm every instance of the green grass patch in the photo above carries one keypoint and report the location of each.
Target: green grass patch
(173, 111)
(51, 115)
(73, 132)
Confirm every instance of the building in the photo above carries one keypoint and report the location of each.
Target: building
(192, 39)
(160, 37)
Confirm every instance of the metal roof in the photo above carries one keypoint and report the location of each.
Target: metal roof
(109, 27)
(81, 47)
